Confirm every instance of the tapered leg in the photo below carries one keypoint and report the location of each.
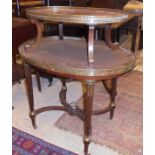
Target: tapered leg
(30, 93)
(112, 96)
(38, 80)
(88, 101)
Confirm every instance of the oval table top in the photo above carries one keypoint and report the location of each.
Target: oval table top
(78, 15)
(68, 57)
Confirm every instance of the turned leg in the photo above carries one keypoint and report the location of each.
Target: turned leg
(88, 101)
(113, 94)
(30, 93)
(38, 80)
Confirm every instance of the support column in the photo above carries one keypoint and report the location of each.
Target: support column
(91, 45)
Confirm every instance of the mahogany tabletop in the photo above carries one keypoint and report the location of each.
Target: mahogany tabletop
(78, 15)
(69, 57)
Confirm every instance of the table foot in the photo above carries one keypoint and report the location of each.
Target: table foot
(33, 120)
(112, 112)
(86, 145)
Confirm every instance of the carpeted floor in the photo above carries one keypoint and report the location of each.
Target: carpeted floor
(26, 144)
(124, 132)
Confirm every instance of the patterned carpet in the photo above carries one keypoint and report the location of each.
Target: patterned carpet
(125, 132)
(26, 144)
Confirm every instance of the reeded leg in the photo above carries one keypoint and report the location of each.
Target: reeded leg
(112, 96)
(38, 80)
(30, 93)
(88, 102)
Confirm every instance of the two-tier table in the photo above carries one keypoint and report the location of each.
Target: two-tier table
(80, 59)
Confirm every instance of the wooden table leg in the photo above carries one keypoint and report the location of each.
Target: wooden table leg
(88, 102)
(111, 85)
(38, 80)
(113, 94)
(30, 92)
